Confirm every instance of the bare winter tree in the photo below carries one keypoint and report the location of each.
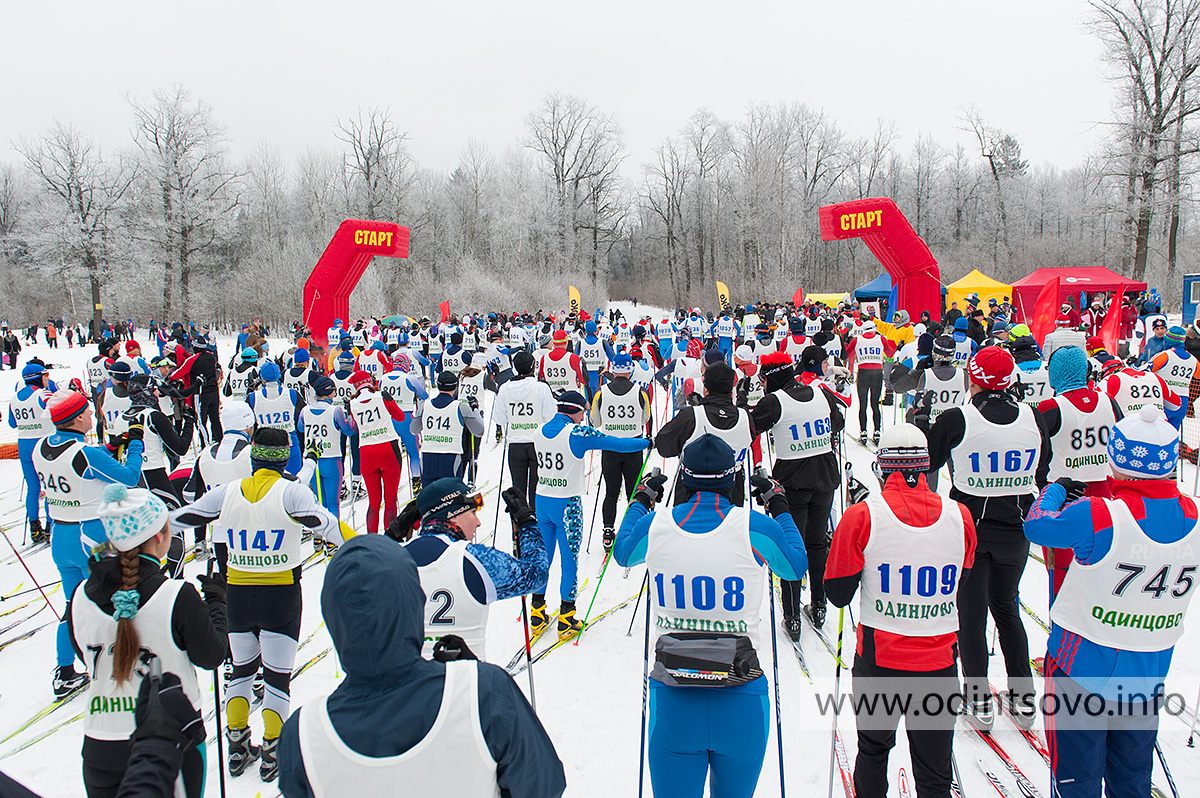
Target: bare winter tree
(376, 161)
(1002, 152)
(192, 190)
(1153, 48)
(87, 192)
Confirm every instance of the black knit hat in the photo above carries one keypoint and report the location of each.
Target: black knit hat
(719, 379)
(447, 381)
(708, 463)
(523, 362)
(570, 402)
(271, 448)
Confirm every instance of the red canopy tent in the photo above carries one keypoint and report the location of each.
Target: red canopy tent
(1072, 281)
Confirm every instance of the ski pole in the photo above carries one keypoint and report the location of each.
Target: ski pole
(31, 576)
(775, 665)
(500, 480)
(217, 710)
(645, 696)
(525, 621)
(588, 614)
(1191, 743)
(595, 506)
(20, 593)
(1162, 760)
(633, 617)
(837, 691)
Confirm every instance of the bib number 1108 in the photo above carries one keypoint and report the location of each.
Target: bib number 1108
(702, 592)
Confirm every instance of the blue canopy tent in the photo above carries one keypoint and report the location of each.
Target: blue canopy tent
(879, 288)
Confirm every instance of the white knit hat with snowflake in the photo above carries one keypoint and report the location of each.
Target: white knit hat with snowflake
(1144, 445)
(130, 516)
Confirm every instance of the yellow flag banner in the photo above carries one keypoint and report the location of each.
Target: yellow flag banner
(723, 296)
(576, 302)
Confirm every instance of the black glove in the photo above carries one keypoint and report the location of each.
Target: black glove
(387, 394)
(694, 398)
(312, 450)
(651, 489)
(856, 491)
(742, 395)
(517, 507)
(765, 489)
(473, 402)
(401, 528)
(135, 432)
(212, 586)
(923, 410)
(452, 648)
(163, 712)
(1074, 488)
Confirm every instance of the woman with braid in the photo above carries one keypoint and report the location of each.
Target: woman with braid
(126, 614)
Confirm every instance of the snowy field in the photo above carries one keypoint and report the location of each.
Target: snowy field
(588, 695)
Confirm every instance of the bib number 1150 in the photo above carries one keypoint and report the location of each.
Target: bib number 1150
(701, 593)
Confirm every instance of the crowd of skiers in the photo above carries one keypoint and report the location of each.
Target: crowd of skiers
(1057, 443)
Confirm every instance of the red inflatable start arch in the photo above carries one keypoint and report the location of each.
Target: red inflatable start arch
(327, 290)
(885, 231)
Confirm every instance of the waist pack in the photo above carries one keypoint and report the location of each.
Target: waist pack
(702, 659)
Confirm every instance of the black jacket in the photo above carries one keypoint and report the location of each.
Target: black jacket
(820, 473)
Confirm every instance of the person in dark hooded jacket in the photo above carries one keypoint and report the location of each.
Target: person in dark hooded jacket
(387, 705)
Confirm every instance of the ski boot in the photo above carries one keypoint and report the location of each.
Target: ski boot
(416, 485)
(36, 534)
(268, 770)
(886, 399)
(569, 626)
(306, 535)
(979, 713)
(67, 681)
(862, 438)
(816, 614)
(538, 621)
(792, 626)
(1022, 709)
(609, 537)
(242, 750)
(875, 438)
(499, 433)
(201, 552)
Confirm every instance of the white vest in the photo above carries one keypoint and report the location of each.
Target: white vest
(1177, 371)
(804, 429)
(153, 455)
(793, 348)
(239, 382)
(472, 386)
(523, 407)
(1079, 449)
(442, 429)
(96, 373)
(277, 411)
(621, 414)
(435, 343)
(1136, 596)
(709, 582)
(296, 382)
(319, 426)
(69, 497)
(946, 393)
(33, 420)
(737, 436)
(622, 336)
(402, 391)
(450, 609)
(452, 759)
(910, 574)
(593, 355)
(1036, 384)
(114, 412)
(962, 352)
(1137, 391)
(558, 372)
(110, 706)
(222, 472)
(516, 337)
(812, 326)
(833, 347)
(261, 536)
(725, 327)
(868, 351)
(996, 459)
(343, 390)
(453, 361)
(664, 332)
(560, 472)
(372, 419)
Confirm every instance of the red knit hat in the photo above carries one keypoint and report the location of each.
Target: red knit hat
(695, 348)
(993, 368)
(131, 345)
(559, 337)
(65, 406)
(360, 378)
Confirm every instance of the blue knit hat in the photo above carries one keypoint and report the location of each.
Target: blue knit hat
(590, 328)
(621, 362)
(249, 355)
(1144, 445)
(300, 356)
(32, 372)
(1175, 336)
(708, 463)
(1068, 369)
(120, 371)
(269, 371)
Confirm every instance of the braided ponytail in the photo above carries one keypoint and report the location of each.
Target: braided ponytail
(125, 607)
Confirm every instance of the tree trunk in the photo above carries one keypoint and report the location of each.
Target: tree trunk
(1145, 210)
(1174, 188)
(97, 311)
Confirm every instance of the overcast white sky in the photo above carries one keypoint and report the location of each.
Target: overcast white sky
(284, 72)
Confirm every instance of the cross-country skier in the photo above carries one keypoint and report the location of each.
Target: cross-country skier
(996, 448)
(620, 409)
(220, 463)
(128, 612)
(376, 418)
(243, 378)
(867, 352)
(461, 577)
(446, 420)
(704, 560)
(1176, 366)
(803, 421)
(908, 549)
(407, 388)
(278, 408)
(561, 444)
(323, 425)
(261, 520)
(454, 728)
(522, 406)
(73, 475)
(27, 412)
(1120, 611)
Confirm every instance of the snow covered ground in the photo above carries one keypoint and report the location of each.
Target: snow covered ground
(588, 695)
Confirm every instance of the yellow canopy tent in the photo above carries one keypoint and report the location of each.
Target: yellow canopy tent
(976, 283)
(830, 300)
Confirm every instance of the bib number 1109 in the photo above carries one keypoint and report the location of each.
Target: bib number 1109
(926, 583)
(702, 592)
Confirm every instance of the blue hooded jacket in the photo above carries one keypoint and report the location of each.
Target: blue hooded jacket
(373, 606)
